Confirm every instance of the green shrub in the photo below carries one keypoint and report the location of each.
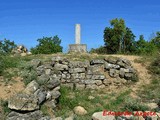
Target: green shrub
(155, 66)
(4, 105)
(47, 45)
(8, 62)
(134, 105)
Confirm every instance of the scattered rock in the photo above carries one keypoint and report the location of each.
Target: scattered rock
(100, 116)
(91, 97)
(78, 110)
(57, 118)
(152, 106)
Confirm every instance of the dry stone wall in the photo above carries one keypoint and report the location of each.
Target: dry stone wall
(93, 74)
(45, 87)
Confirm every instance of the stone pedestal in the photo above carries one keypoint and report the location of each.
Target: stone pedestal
(82, 48)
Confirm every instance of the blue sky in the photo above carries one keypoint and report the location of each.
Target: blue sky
(24, 21)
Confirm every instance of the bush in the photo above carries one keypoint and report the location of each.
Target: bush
(6, 46)
(27, 72)
(134, 105)
(47, 45)
(7, 62)
(100, 50)
(155, 66)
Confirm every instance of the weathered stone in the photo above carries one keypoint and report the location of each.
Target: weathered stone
(57, 118)
(113, 73)
(69, 85)
(93, 62)
(41, 80)
(96, 69)
(80, 86)
(48, 71)
(23, 102)
(121, 72)
(107, 82)
(45, 118)
(36, 115)
(79, 110)
(31, 87)
(78, 76)
(111, 60)
(68, 76)
(40, 70)
(127, 117)
(98, 82)
(98, 77)
(88, 82)
(124, 63)
(101, 86)
(152, 117)
(53, 82)
(63, 76)
(128, 76)
(91, 97)
(55, 94)
(60, 67)
(79, 64)
(51, 104)
(108, 66)
(100, 116)
(41, 95)
(139, 118)
(152, 106)
(36, 63)
(88, 76)
(77, 70)
(57, 59)
(91, 86)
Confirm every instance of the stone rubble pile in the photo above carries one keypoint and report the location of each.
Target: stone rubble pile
(20, 50)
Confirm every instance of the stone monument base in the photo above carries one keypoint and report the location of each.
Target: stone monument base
(81, 48)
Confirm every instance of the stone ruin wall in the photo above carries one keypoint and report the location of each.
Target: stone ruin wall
(93, 74)
(45, 89)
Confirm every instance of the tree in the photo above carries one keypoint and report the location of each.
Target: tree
(119, 30)
(47, 45)
(111, 42)
(156, 40)
(129, 41)
(6, 46)
(144, 47)
(118, 37)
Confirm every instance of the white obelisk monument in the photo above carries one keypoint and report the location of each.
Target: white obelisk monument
(78, 34)
(78, 47)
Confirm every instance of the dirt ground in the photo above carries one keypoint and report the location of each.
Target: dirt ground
(7, 90)
(144, 76)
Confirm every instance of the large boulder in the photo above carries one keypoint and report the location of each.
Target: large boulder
(79, 110)
(100, 116)
(23, 102)
(36, 115)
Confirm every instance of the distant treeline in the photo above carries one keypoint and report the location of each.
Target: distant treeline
(120, 39)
